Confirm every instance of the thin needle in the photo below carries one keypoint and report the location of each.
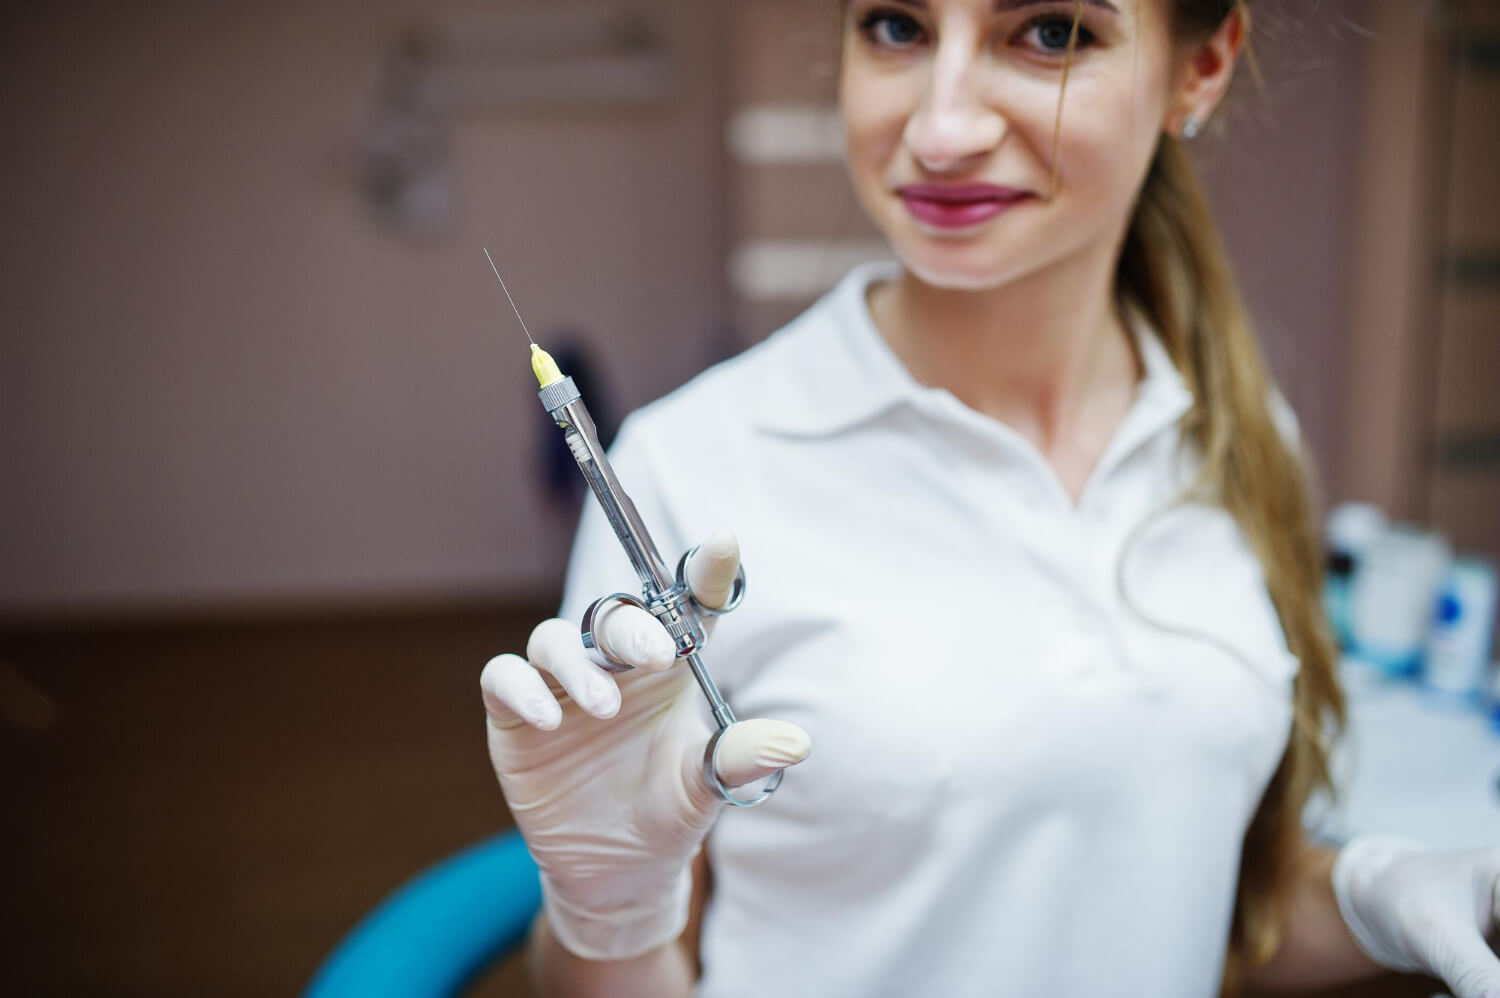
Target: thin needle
(507, 295)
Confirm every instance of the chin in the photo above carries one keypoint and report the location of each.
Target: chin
(952, 271)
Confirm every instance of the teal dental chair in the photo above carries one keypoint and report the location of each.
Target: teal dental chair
(434, 935)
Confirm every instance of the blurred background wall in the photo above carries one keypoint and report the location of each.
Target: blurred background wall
(271, 491)
(228, 379)
(231, 379)
(1463, 465)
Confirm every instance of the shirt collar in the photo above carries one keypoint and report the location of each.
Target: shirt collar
(1162, 388)
(835, 371)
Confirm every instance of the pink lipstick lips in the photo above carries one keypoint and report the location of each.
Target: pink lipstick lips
(958, 206)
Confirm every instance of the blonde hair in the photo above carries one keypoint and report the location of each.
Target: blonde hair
(1174, 270)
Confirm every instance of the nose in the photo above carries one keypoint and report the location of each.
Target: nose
(954, 123)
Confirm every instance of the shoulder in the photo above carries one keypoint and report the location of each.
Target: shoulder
(714, 401)
(784, 374)
(688, 460)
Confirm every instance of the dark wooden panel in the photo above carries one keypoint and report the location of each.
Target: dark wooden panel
(210, 808)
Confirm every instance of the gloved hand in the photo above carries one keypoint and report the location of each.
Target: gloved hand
(1413, 910)
(604, 772)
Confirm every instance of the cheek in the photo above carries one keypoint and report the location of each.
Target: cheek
(1108, 137)
(874, 116)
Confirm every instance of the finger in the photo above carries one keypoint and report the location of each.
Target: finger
(629, 634)
(712, 568)
(555, 648)
(1469, 966)
(515, 694)
(753, 750)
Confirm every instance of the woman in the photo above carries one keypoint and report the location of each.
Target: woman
(1032, 562)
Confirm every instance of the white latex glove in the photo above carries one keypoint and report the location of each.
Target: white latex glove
(604, 772)
(1413, 910)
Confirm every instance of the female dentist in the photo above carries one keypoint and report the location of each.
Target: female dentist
(1031, 557)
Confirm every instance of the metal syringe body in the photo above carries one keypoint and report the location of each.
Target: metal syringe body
(665, 596)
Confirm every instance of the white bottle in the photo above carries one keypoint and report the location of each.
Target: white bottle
(1393, 596)
(1458, 648)
(1351, 529)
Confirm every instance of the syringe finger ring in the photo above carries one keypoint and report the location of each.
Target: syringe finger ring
(736, 592)
(727, 794)
(597, 653)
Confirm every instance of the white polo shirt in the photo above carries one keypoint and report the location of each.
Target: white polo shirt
(1017, 785)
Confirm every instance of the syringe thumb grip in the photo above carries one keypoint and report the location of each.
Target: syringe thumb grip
(711, 571)
(755, 749)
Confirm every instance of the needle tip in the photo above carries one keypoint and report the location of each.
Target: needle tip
(507, 294)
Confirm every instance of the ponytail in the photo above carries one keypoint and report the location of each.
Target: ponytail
(1174, 270)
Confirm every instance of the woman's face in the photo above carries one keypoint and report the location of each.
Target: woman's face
(950, 112)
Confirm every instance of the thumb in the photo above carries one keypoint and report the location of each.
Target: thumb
(712, 568)
(1469, 967)
(752, 750)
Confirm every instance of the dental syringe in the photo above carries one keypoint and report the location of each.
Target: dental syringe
(665, 595)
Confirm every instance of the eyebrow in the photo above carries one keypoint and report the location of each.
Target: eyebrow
(1009, 5)
(1018, 4)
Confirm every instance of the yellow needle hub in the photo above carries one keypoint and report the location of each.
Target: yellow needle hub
(544, 367)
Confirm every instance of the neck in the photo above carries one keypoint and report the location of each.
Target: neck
(1045, 354)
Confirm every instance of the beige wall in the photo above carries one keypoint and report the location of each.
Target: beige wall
(1464, 486)
(1421, 425)
(1279, 165)
(1387, 410)
(221, 383)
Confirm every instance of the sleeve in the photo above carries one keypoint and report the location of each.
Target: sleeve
(598, 564)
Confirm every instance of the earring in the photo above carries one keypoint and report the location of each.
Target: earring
(1191, 126)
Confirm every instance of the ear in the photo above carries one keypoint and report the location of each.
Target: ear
(1205, 72)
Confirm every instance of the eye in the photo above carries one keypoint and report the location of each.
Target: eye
(1049, 33)
(891, 29)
